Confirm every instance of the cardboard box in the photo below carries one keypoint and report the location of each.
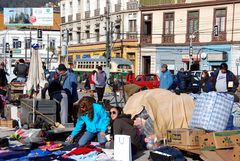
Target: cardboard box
(218, 155)
(6, 123)
(184, 137)
(236, 153)
(219, 140)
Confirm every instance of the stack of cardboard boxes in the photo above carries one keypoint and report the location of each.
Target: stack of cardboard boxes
(213, 146)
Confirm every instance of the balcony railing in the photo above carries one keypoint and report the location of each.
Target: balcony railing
(78, 16)
(70, 18)
(87, 14)
(132, 35)
(97, 12)
(62, 19)
(221, 37)
(195, 39)
(132, 5)
(146, 39)
(168, 39)
(117, 7)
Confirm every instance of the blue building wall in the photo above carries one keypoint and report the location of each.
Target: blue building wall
(173, 55)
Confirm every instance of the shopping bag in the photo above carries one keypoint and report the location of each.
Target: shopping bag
(122, 148)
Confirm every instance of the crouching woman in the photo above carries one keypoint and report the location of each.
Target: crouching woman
(95, 118)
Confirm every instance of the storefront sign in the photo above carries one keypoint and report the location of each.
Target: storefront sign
(217, 57)
(195, 57)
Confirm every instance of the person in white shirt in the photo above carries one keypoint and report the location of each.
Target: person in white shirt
(224, 80)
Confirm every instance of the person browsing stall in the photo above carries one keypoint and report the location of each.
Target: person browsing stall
(95, 118)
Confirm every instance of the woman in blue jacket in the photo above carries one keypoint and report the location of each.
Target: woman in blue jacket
(95, 118)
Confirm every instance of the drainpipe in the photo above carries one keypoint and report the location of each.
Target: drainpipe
(233, 20)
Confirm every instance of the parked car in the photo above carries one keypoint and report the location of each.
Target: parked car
(198, 73)
(147, 80)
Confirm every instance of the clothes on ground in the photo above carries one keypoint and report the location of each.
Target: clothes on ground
(82, 150)
(166, 79)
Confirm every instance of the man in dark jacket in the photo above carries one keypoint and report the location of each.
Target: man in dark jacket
(224, 80)
(21, 71)
(100, 79)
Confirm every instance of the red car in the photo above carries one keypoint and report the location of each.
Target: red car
(147, 80)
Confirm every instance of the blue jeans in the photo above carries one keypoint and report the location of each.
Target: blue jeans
(87, 136)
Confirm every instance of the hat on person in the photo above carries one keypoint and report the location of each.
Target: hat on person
(224, 66)
(62, 67)
(99, 67)
(164, 66)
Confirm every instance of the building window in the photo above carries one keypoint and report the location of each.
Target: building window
(70, 7)
(52, 44)
(118, 55)
(168, 23)
(63, 9)
(16, 44)
(87, 34)
(79, 6)
(70, 36)
(220, 19)
(97, 34)
(146, 37)
(147, 28)
(132, 25)
(193, 25)
(88, 5)
(220, 22)
(79, 37)
(98, 4)
(168, 30)
(193, 21)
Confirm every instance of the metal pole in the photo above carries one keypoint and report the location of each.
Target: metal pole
(4, 46)
(108, 37)
(25, 49)
(190, 52)
(48, 46)
(30, 42)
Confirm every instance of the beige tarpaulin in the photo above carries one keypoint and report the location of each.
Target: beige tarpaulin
(166, 109)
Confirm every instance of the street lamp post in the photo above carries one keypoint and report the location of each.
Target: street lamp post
(191, 37)
(237, 64)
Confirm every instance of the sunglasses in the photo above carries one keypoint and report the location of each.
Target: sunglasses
(113, 112)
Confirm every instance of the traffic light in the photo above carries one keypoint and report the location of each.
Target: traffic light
(7, 47)
(216, 30)
(10, 53)
(39, 33)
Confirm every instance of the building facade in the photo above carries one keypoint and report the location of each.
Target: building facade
(85, 23)
(17, 41)
(196, 34)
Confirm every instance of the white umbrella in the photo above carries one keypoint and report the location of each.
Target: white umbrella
(36, 77)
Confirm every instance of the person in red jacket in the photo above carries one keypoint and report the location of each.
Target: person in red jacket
(91, 81)
(130, 77)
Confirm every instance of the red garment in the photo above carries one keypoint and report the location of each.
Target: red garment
(91, 78)
(82, 150)
(130, 78)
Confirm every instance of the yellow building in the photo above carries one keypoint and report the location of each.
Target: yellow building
(127, 49)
